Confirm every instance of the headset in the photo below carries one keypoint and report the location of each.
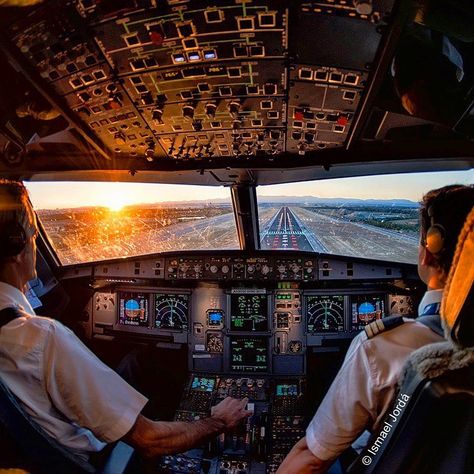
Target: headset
(435, 235)
(12, 239)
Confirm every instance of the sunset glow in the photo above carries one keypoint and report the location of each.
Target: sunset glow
(117, 198)
(115, 195)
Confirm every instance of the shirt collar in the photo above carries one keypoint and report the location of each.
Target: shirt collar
(430, 302)
(13, 297)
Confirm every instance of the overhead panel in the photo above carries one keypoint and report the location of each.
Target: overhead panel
(333, 48)
(192, 80)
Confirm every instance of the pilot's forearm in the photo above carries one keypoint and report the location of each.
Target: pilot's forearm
(300, 460)
(156, 438)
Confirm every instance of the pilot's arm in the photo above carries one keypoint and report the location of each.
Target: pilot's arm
(91, 395)
(349, 407)
(155, 438)
(301, 460)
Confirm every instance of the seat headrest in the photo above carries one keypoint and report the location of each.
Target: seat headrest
(457, 306)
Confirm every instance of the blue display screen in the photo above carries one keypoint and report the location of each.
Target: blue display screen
(286, 389)
(366, 309)
(203, 384)
(215, 318)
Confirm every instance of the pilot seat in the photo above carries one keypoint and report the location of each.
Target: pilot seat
(429, 427)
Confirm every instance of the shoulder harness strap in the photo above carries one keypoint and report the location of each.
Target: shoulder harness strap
(7, 315)
(382, 325)
(433, 321)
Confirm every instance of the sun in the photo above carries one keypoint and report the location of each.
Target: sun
(116, 199)
(116, 207)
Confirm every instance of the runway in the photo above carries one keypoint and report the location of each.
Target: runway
(286, 231)
(302, 229)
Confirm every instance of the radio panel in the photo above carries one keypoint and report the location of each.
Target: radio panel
(267, 434)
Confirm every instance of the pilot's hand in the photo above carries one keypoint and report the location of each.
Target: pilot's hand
(231, 411)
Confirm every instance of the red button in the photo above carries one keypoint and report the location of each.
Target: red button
(115, 105)
(156, 38)
(342, 120)
(298, 115)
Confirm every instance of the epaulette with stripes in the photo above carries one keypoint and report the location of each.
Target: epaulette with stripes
(382, 325)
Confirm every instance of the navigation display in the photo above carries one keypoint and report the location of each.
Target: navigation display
(324, 313)
(248, 312)
(248, 354)
(133, 309)
(366, 309)
(203, 384)
(171, 311)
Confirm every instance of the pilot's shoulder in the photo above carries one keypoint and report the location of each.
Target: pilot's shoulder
(42, 323)
(383, 325)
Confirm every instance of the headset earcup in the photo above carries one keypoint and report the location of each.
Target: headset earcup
(435, 239)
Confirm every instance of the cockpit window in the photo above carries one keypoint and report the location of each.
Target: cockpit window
(370, 217)
(91, 221)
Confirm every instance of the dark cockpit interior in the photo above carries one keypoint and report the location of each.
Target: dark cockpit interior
(230, 189)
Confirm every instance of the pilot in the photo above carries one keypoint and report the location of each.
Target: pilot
(430, 75)
(365, 385)
(63, 386)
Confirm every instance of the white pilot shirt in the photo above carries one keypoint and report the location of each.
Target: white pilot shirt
(365, 385)
(60, 383)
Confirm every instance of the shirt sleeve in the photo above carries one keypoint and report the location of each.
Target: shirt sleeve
(348, 407)
(85, 390)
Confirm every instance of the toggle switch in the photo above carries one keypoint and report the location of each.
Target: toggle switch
(188, 112)
(234, 108)
(211, 109)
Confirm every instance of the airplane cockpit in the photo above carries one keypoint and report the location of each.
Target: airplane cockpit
(230, 189)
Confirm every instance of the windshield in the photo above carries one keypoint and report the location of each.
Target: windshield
(91, 221)
(371, 217)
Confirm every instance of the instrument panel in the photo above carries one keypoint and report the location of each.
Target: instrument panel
(254, 326)
(243, 326)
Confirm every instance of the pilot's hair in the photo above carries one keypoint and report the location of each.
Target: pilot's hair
(15, 207)
(449, 207)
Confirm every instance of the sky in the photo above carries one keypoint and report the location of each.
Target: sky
(54, 195)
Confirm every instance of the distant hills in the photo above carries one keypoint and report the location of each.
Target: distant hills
(308, 200)
(275, 200)
(294, 200)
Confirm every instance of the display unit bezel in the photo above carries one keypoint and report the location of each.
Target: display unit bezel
(249, 292)
(150, 329)
(228, 353)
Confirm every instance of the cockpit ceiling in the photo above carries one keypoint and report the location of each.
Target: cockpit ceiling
(96, 87)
